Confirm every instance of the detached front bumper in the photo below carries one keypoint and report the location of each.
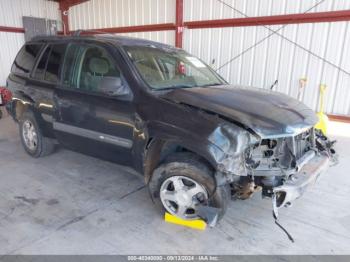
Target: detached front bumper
(299, 182)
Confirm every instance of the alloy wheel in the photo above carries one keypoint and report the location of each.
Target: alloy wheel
(181, 196)
(29, 134)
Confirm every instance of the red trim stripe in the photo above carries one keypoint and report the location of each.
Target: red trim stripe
(11, 29)
(131, 29)
(320, 17)
(339, 118)
(71, 2)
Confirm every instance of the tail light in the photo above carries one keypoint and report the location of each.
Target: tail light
(5, 96)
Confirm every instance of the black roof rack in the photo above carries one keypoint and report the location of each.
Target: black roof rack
(46, 37)
(80, 31)
(100, 35)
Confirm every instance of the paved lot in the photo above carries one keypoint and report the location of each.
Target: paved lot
(69, 203)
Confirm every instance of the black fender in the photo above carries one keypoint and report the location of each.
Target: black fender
(20, 104)
(222, 147)
(163, 136)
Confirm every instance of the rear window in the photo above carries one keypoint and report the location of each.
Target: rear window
(25, 59)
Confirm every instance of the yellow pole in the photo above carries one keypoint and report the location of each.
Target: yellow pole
(323, 118)
(322, 92)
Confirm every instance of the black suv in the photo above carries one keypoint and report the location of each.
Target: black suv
(197, 140)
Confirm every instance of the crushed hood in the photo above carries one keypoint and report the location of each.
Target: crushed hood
(267, 113)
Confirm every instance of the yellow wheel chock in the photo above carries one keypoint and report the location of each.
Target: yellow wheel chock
(196, 224)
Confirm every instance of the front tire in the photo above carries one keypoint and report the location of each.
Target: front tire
(33, 142)
(183, 182)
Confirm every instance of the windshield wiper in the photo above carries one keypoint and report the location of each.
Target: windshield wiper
(187, 86)
(216, 84)
(174, 87)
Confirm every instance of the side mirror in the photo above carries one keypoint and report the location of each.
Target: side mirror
(113, 86)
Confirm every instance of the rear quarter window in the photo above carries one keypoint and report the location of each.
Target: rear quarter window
(55, 60)
(49, 63)
(25, 58)
(40, 69)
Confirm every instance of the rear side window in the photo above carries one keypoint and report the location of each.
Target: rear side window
(40, 69)
(25, 59)
(49, 63)
(55, 60)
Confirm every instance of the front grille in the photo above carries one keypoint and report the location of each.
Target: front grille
(284, 152)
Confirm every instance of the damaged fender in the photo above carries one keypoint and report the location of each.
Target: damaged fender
(223, 148)
(232, 142)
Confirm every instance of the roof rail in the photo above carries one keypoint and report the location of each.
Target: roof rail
(44, 37)
(80, 31)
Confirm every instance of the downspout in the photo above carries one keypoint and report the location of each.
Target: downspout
(64, 8)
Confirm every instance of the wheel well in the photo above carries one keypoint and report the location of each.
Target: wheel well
(158, 150)
(19, 109)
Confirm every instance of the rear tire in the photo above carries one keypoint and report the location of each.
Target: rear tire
(193, 173)
(34, 143)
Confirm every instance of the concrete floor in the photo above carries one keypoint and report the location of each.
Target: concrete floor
(69, 203)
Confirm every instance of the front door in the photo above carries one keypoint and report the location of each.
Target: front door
(95, 113)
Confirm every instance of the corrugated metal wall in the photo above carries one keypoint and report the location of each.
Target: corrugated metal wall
(96, 14)
(11, 12)
(195, 10)
(276, 58)
(112, 13)
(166, 37)
(10, 43)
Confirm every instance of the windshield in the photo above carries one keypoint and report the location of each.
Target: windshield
(166, 69)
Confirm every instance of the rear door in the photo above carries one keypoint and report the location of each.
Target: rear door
(42, 83)
(21, 68)
(95, 113)
(33, 78)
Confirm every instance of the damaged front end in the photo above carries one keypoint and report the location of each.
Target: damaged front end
(282, 167)
(261, 140)
(285, 167)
